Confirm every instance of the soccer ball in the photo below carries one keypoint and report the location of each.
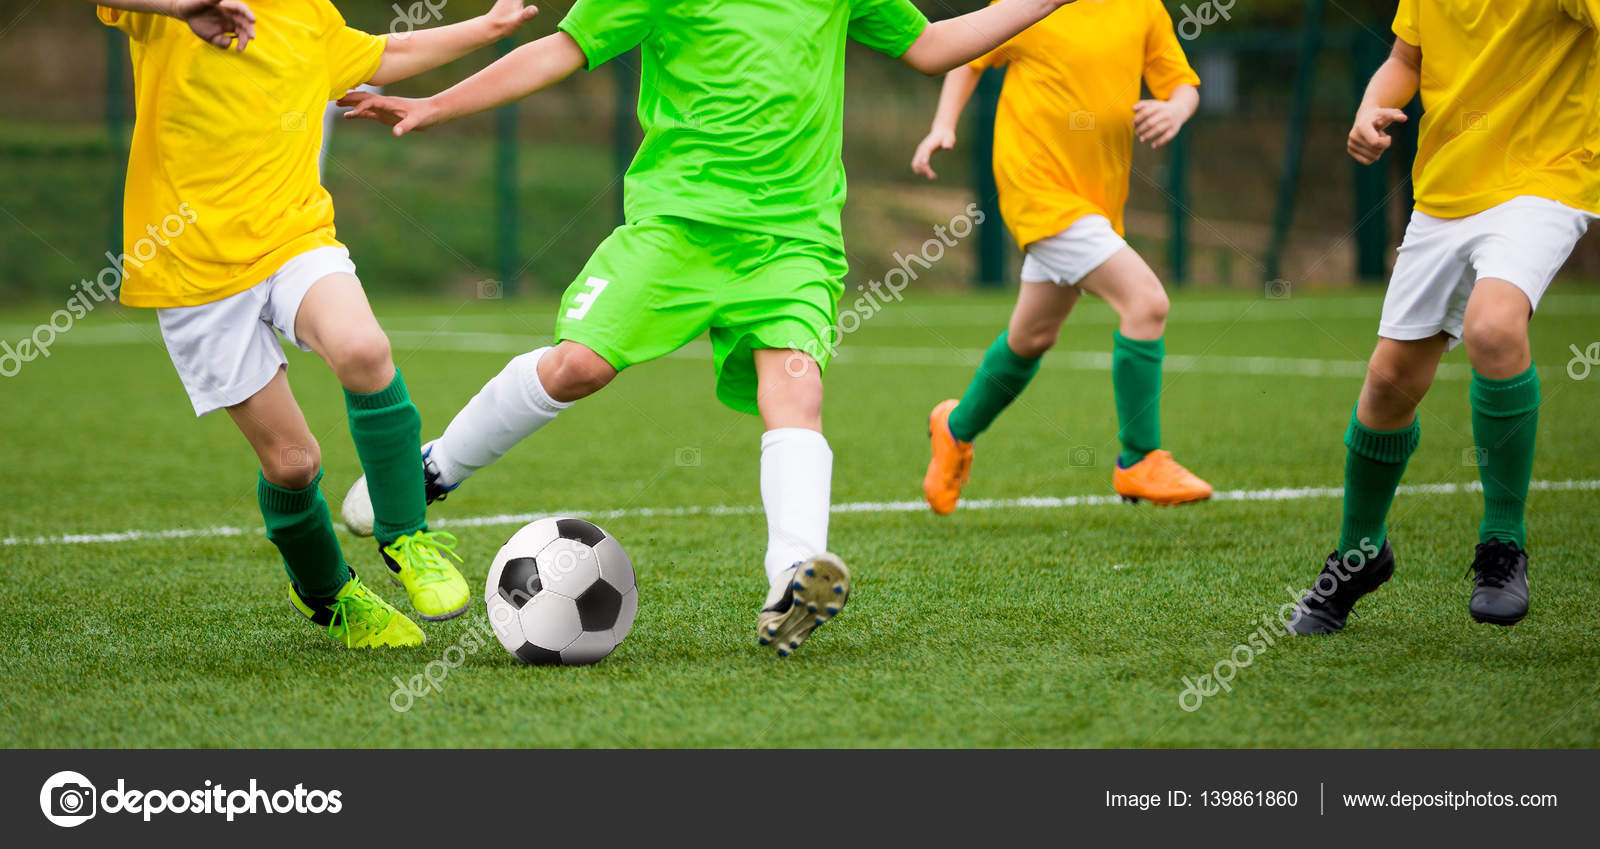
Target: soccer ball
(356, 511)
(561, 591)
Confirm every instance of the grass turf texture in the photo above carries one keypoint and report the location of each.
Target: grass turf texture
(1014, 627)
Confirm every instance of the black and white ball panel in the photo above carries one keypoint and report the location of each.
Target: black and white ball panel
(561, 590)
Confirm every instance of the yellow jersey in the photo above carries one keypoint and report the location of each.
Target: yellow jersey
(222, 184)
(1063, 132)
(1511, 103)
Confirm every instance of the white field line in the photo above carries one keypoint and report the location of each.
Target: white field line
(1028, 503)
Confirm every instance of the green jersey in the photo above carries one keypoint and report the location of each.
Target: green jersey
(742, 103)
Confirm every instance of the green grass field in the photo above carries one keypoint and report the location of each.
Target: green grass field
(1057, 623)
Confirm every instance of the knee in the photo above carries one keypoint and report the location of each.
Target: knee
(792, 402)
(292, 463)
(1495, 341)
(569, 372)
(1146, 311)
(363, 359)
(1032, 341)
(1391, 389)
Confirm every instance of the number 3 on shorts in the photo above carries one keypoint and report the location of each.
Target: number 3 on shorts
(584, 300)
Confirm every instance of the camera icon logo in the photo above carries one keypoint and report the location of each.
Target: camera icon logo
(1081, 457)
(687, 458)
(1081, 120)
(68, 799)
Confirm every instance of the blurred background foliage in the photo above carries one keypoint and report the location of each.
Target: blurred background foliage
(423, 214)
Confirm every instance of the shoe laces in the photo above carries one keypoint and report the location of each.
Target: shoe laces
(425, 553)
(1495, 565)
(359, 606)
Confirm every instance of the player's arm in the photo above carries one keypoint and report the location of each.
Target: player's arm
(1391, 88)
(217, 22)
(953, 42)
(516, 75)
(405, 56)
(953, 97)
(1157, 122)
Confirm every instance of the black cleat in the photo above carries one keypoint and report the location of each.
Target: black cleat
(1500, 583)
(1325, 609)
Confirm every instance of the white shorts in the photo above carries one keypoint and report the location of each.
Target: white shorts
(226, 351)
(1523, 241)
(1069, 256)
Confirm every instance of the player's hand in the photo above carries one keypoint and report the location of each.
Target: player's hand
(922, 160)
(218, 22)
(1368, 139)
(1157, 122)
(404, 114)
(508, 16)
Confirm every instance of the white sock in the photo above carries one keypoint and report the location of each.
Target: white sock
(507, 410)
(796, 476)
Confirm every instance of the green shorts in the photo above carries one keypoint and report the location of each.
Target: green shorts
(655, 285)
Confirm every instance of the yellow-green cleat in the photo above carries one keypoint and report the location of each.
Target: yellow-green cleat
(420, 562)
(360, 618)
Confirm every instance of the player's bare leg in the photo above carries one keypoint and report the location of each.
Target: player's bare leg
(1505, 421)
(1143, 469)
(807, 585)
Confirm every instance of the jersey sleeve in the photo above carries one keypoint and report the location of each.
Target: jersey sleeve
(138, 25)
(1405, 22)
(353, 55)
(606, 29)
(1165, 66)
(887, 26)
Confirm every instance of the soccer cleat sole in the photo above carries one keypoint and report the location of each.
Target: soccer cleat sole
(1503, 621)
(442, 617)
(1135, 499)
(821, 588)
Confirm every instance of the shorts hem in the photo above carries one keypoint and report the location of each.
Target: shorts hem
(222, 400)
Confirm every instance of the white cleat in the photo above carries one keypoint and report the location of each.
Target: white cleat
(814, 591)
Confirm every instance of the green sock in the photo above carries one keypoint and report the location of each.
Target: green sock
(299, 525)
(1505, 419)
(1136, 380)
(1372, 469)
(1000, 379)
(388, 433)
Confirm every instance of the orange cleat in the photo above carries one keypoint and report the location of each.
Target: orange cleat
(1160, 480)
(951, 463)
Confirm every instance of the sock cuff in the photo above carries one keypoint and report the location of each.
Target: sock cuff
(1502, 399)
(1013, 360)
(794, 436)
(280, 500)
(393, 395)
(528, 365)
(1383, 446)
(1150, 349)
